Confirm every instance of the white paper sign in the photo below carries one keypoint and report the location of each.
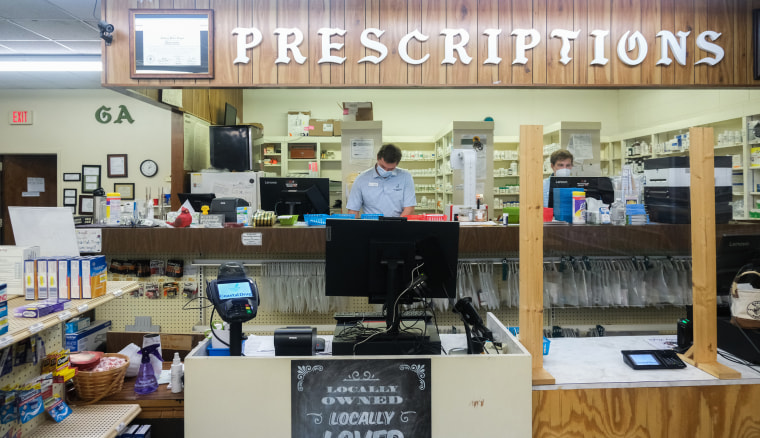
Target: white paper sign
(50, 228)
(361, 150)
(35, 184)
(251, 239)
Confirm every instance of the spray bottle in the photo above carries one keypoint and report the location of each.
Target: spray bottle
(146, 378)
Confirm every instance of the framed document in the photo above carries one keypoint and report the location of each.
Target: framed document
(69, 197)
(86, 204)
(126, 190)
(117, 165)
(171, 43)
(72, 176)
(90, 177)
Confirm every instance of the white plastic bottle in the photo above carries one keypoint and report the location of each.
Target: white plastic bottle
(617, 212)
(177, 372)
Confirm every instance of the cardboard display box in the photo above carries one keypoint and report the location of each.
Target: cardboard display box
(297, 123)
(357, 111)
(325, 127)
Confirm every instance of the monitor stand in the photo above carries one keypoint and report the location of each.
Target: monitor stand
(423, 339)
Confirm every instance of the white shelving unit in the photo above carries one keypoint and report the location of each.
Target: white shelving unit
(506, 173)
(85, 421)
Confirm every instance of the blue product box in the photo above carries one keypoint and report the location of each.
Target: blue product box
(142, 431)
(129, 432)
(40, 308)
(90, 339)
(77, 324)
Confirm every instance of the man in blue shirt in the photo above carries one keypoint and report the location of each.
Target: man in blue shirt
(383, 189)
(561, 162)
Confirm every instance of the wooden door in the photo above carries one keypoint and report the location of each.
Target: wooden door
(16, 169)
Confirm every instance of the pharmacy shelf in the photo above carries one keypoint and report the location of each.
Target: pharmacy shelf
(98, 421)
(22, 328)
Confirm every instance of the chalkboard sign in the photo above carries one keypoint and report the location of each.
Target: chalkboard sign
(387, 398)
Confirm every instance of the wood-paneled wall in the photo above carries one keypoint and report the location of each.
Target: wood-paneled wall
(731, 18)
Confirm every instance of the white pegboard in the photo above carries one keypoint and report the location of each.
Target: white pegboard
(97, 421)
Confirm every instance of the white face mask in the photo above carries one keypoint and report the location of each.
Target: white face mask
(382, 172)
(562, 172)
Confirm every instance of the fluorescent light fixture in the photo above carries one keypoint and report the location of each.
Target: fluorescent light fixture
(50, 64)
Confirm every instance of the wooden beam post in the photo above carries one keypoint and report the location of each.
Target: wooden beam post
(704, 352)
(532, 249)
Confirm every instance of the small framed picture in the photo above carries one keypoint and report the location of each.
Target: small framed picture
(69, 197)
(86, 204)
(72, 176)
(127, 190)
(90, 177)
(117, 165)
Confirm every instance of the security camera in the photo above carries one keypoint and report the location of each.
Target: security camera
(106, 31)
(105, 26)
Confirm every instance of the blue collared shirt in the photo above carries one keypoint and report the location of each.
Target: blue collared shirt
(377, 195)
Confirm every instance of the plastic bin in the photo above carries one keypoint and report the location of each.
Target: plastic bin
(372, 216)
(516, 331)
(315, 219)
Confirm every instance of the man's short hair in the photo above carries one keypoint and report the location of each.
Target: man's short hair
(390, 153)
(560, 155)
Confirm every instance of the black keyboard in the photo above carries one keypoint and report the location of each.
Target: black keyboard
(415, 314)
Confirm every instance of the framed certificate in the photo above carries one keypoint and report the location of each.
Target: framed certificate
(126, 190)
(69, 197)
(72, 176)
(86, 204)
(90, 177)
(171, 43)
(117, 165)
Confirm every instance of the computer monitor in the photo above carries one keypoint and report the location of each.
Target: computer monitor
(230, 114)
(380, 260)
(597, 187)
(734, 252)
(197, 200)
(287, 196)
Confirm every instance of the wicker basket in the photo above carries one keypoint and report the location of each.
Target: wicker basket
(92, 386)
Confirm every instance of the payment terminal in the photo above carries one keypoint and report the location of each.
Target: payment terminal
(236, 298)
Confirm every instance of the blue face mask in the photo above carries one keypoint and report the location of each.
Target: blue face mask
(382, 172)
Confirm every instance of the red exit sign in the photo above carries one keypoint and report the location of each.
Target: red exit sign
(21, 118)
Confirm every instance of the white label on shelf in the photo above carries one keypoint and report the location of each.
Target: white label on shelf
(36, 328)
(118, 292)
(120, 427)
(251, 239)
(83, 308)
(6, 340)
(63, 316)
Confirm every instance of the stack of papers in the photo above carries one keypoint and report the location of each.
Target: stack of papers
(636, 214)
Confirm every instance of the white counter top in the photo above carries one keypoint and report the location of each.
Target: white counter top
(583, 363)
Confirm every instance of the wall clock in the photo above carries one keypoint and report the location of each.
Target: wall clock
(149, 168)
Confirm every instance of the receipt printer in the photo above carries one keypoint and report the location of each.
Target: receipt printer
(295, 341)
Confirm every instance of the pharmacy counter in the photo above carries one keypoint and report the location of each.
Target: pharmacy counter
(597, 395)
(485, 395)
(474, 241)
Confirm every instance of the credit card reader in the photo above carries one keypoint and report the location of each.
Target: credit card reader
(236, 298)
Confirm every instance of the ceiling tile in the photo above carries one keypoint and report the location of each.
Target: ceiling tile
(12, 32)
(60, 29)
(83, 47)
(37, 48)
(33, 9)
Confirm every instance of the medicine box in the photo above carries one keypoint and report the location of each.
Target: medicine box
(30, 279)
(12, 260)
(142, 431)
(64, 278)
(41, 269)
(93, 338)
(93, 276)
(77, 324)
(129, 432)
(40, 308)
(75, 279)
